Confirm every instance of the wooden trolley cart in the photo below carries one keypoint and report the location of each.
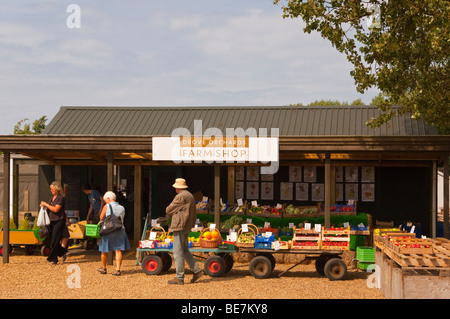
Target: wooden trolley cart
(155, 260)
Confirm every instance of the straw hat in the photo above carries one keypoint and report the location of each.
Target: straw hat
(180, 183)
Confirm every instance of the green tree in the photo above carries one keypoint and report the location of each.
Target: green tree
(404, 53)
(22, 127)
(323, 102)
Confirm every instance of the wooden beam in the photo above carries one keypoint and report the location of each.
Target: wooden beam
(110, 186)
(327, 190)
(217, 195)
(446, 196)
(231, 184)
(137, 204)
(6, 208)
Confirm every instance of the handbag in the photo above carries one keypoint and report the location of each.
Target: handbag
(44, 232)
(110, 224)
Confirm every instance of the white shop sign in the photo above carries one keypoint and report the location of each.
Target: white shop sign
(215, 149)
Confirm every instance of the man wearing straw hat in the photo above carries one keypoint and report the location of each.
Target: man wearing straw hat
(183, 213)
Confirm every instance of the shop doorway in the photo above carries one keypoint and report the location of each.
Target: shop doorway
(162, 190)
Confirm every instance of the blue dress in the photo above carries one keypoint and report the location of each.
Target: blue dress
(117, 240)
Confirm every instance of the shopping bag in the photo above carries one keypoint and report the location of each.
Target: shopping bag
(110, 224)
(43, 219)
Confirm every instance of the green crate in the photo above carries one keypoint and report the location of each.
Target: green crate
(364, 265)
(365, 254)
(92, 230)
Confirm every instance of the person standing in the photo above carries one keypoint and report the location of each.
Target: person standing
(59, 232)
(96, 203)
(183, 213)
(116, 241)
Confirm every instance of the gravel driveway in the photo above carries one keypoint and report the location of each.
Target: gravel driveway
(31, 277)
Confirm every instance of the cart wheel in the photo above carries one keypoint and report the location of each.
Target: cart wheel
(45, 250)
(229, 261)
(260, 267)
(335, 269)
(166, 261)
(320, 265)
(215, 266)
(29, 249)
(152, 265)
(270, 257)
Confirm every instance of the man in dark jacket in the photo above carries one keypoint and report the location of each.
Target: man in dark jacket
(183, 213)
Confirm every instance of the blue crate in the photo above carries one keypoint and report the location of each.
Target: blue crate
(262, 242)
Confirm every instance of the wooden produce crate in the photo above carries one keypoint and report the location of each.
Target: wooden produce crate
(410, 246)
(282, 245)
(306, 239)
(336, 238)
(413, 276)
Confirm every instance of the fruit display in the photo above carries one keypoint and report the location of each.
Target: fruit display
(336, 238)
(247, 239)
(272, 230)
(408, 245)
(306, 239)
(341, 209)
(265, 211)
(210, 238)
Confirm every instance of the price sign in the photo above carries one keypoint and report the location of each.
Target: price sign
(276, 245)
(318, 227)
(152, 235)
(291, 225)
(307, 226)
(212, 227)
(244, 228)
(240, 202)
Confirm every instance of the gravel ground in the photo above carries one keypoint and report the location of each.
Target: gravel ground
(30, 277)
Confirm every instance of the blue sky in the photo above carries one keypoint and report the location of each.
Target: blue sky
(161, 53)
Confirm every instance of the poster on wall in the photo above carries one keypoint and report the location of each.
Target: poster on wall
(286, 191)
(339, 192)
(368, 192)
(317, 192)
(351, 191)
(267, 190)
(339, 174)
(351, 174)
(310, 174)
(239, 192)
(252, 173)
(252, 190)
(367, 174)
(239, 173)
(295, 173)
(301, 191)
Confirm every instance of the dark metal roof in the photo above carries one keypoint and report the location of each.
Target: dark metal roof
(291, 121)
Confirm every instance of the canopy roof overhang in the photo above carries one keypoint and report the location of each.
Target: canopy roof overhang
(137, 150)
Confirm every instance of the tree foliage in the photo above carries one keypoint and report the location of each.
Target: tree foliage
(22, 127)
(404, 53)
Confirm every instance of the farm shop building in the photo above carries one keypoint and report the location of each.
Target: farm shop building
(324, 155)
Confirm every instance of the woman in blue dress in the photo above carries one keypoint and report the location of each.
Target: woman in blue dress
(116, 241)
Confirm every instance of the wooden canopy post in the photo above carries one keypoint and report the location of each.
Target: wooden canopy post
(446, 197)
(109, 186)
(6, 208)
(137, 204)
(217, 195)
(327, 189)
